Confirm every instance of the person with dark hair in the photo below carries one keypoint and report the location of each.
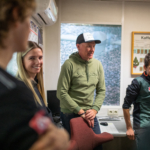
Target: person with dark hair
(23, 125)
(138, 94)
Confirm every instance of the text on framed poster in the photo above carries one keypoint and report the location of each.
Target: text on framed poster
(140, 47)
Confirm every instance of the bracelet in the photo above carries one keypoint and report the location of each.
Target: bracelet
(82, 114)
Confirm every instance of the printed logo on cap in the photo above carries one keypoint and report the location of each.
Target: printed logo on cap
(88, 37)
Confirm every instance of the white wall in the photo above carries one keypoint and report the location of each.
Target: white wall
(133, 16)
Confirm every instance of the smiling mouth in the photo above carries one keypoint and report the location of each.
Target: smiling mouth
(36, 67)
(91, 54)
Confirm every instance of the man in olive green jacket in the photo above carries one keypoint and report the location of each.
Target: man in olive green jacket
(80, 75)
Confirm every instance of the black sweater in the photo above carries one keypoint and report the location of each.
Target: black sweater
(34, 83)
(16, 110)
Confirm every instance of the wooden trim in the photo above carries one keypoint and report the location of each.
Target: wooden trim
(132, 47)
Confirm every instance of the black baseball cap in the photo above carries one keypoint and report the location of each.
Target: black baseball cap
(85, 38)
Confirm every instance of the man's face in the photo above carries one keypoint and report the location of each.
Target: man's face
(86, 50)
(147, 69)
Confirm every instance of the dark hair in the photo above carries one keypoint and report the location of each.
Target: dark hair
(6, 14)
(147, 60)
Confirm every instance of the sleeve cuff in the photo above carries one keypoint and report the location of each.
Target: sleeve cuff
(124, 106)
(77, 109)
(96, 108)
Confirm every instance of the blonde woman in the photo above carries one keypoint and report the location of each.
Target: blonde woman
(30, 71)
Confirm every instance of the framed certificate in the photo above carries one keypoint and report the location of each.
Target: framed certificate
(140, 47)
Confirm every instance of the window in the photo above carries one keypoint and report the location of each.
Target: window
(108, 53)
(12, 67)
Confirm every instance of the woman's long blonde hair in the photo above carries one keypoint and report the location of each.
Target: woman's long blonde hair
(22, 73)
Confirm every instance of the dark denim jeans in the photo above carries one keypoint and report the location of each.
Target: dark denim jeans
(142, 137)
(66, 124)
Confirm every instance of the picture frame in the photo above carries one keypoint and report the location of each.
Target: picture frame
(140, 47)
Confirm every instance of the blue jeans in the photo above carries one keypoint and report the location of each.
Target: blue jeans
(66, 124)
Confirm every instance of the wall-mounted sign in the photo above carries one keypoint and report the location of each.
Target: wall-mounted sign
(140, 47)
(33, 36)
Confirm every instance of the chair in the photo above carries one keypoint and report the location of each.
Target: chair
(83, 137)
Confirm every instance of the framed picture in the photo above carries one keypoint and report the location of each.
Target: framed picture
(140, 47)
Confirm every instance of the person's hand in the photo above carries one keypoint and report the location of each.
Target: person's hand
(90, 114)
(130, 134)
(90, 122)
(52, 139)
(87, 120)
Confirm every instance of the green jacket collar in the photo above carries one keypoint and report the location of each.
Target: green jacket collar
(78, 57)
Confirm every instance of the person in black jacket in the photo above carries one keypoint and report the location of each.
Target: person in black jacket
(138, 94)
(30, 71)
(23, 125)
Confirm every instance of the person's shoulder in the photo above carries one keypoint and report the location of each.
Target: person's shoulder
(12, 88)
(135, 83)
(68, 63)
(8, 82)
(138, 79)
(134, 80)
